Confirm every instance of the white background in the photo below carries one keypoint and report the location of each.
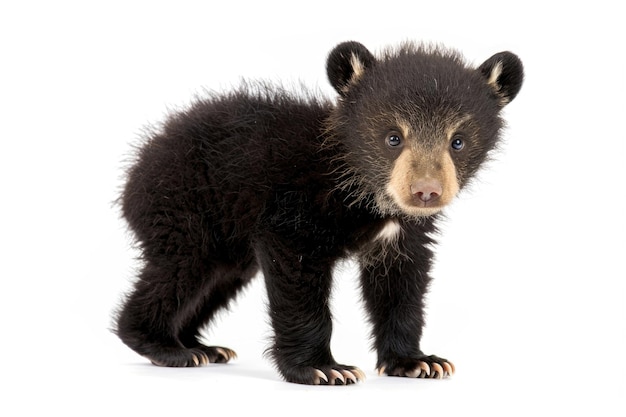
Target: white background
(529, 293)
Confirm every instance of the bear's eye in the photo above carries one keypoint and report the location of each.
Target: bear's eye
(457, 142)
(394, 139)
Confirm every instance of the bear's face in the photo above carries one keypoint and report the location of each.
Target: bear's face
(416, 123)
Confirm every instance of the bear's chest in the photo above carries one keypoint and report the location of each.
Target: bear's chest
(316, 220)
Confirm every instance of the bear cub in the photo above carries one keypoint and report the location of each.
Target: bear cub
(261, 179)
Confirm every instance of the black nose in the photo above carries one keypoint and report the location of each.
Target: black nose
(426, 191)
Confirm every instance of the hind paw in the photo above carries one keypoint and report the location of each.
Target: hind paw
(421, 367)
(217, 354)
(192, 357)
(325, 375)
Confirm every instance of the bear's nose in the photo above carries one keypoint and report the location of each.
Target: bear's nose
(426, 190)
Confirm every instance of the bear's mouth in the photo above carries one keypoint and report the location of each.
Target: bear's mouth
(420, 209)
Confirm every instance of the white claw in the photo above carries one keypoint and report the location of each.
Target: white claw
(227, 353)
(424, 367)
(321, 376)
(348, 376)
(381, 370)
(359, 374)
(195, 360)
(223, 352)
(437, 371)
(334, 375)
(451, 365)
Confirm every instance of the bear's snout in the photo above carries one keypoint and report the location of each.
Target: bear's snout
(426, 191)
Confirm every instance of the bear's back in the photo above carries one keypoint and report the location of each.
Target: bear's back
(226, 155)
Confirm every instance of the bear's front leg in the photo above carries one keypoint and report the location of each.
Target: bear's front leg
(394, 279)
(298, 289)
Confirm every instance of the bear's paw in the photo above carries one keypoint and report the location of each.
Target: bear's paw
(325, 375)
(421, 367)
(197, 356)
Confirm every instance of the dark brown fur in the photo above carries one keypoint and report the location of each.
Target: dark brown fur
(263, 180)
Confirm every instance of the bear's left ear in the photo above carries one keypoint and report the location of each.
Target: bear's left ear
(346, 64)
(504, 73)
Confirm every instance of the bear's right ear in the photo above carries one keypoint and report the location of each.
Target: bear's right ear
(346, 64)
(504, 73)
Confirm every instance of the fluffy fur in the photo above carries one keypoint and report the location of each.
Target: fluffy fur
(264, 180)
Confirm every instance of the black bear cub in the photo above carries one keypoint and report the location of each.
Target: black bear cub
(261, 179)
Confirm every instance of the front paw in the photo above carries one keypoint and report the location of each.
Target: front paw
(420, 367)
(324, 375)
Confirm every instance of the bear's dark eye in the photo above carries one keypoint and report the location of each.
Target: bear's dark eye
(457, 142)
(394, 139)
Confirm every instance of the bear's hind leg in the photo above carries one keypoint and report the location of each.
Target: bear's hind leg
(163, 308)
(225, 288)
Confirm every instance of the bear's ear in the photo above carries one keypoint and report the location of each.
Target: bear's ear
(346, 64)
(504, 73)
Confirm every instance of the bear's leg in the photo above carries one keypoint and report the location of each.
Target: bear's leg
(225, 289)
(394, 287)
(167, 302)
(298, 291)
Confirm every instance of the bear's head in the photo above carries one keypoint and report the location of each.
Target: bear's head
(417, 122)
